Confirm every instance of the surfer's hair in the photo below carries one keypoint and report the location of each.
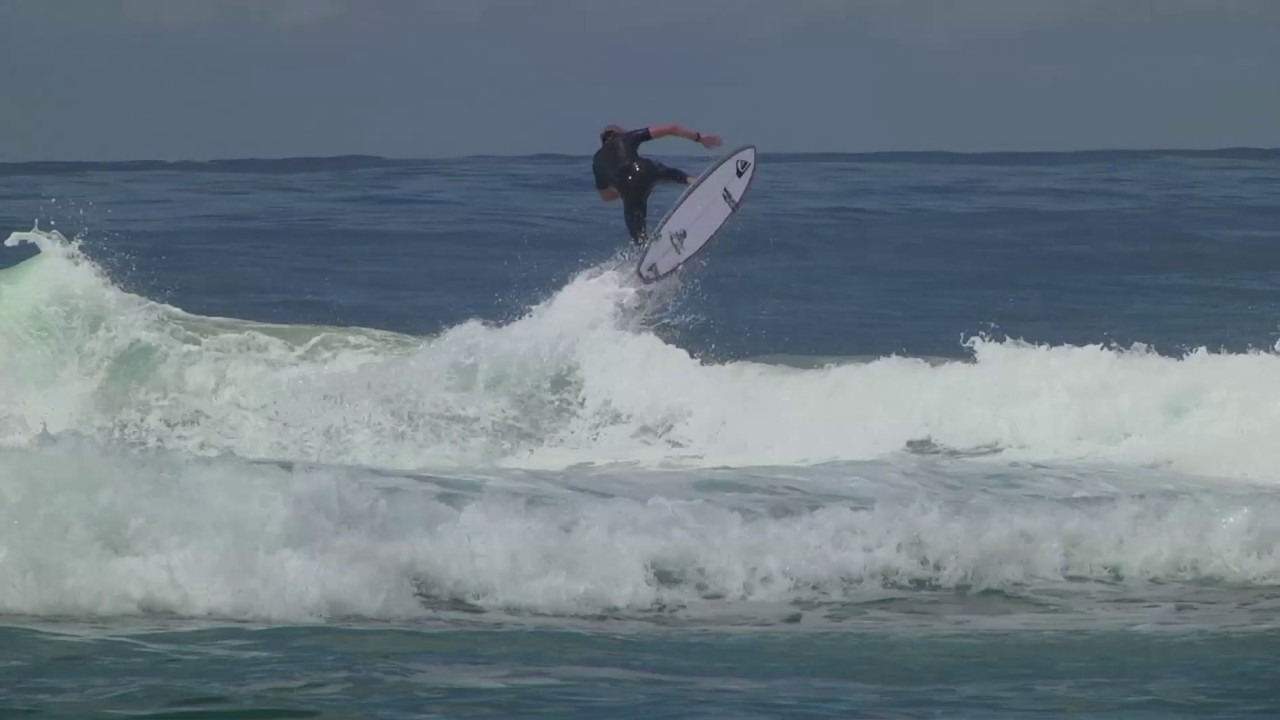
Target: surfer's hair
(609, 133)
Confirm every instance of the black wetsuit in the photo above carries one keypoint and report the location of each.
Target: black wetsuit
(618, 164)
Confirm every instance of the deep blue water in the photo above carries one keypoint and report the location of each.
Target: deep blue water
(1047, 247)
(920, 435)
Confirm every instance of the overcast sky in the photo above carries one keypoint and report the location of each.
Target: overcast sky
(198, 79)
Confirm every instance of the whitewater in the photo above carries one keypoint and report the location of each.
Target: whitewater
(571, 462)
(579, 379)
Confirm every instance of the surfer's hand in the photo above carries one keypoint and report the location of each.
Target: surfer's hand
(709, 141)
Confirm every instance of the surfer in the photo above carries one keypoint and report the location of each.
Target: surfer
(621, 172)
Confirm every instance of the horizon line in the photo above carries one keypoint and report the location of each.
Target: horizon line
(763, 153)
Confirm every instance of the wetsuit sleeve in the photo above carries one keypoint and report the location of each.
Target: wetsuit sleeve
(633, 138)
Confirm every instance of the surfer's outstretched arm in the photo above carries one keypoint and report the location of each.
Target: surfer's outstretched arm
(708, 140)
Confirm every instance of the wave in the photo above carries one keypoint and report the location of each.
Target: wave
(94, 531)
(583, 378)
(571, 462)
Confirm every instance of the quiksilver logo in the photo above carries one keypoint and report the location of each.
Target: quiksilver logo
(743, 166)
(677, 240)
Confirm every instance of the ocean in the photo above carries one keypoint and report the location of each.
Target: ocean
(918, 435)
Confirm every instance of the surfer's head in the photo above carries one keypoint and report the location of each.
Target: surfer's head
(609, 133)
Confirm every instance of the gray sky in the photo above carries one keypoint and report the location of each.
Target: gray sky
(198, 79)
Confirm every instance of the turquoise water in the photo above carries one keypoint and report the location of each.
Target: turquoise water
(922, 436)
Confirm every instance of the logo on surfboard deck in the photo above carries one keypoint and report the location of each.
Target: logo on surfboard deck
(677, 240)
(743, 165)
(728, 198)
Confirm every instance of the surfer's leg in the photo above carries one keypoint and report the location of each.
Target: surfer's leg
(634, 185)
(634, 210)
(670, 174)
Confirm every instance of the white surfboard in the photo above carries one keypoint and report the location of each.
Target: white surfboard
(698, 214)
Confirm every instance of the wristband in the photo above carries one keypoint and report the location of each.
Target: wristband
(697, 137)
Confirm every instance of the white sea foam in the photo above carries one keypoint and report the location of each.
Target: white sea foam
(580, 378)
(129, 431)
(95, 530)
